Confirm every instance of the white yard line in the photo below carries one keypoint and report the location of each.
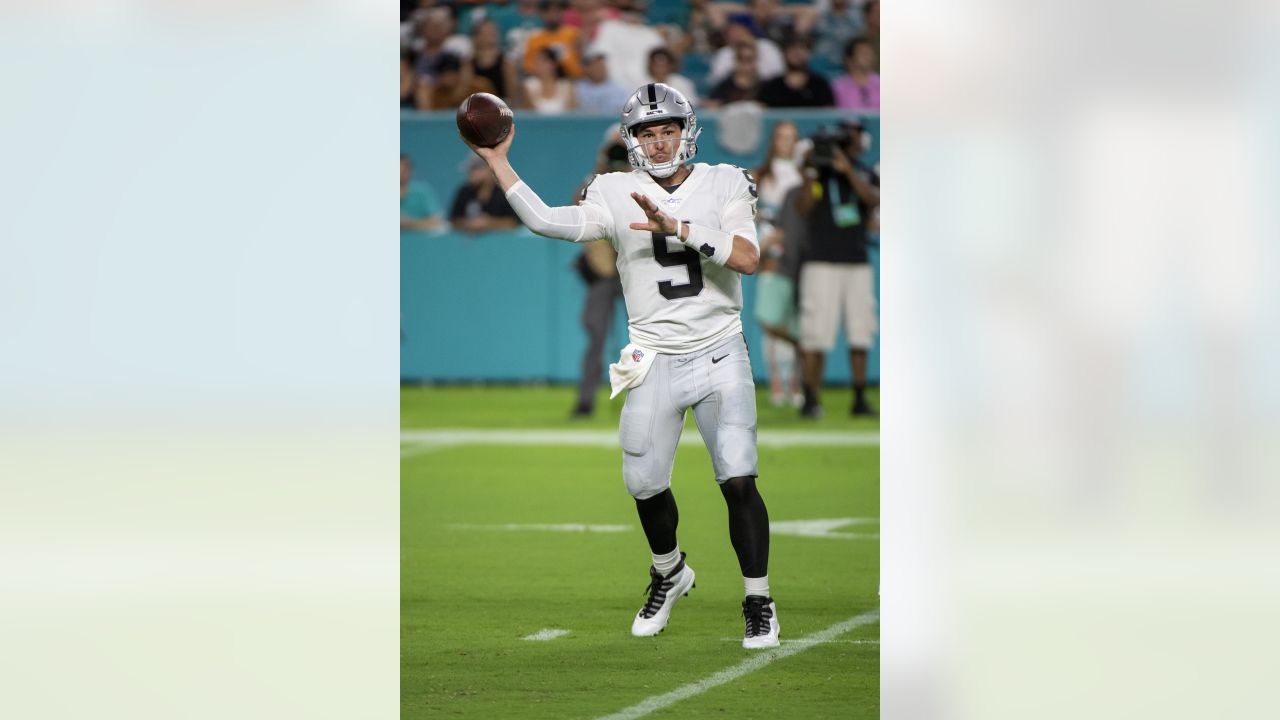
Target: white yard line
(449, 437)
(827, 642)
(557, 527)
(658, 702)
(797, 528)
(546, 634)
(824, 528)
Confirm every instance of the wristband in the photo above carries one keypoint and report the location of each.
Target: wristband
(716, 245)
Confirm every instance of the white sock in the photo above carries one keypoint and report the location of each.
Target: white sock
(757, 586)
(666, 563)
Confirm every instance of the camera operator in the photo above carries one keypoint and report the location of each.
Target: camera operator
(835, 276)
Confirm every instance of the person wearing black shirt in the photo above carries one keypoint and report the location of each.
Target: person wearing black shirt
(743, 84)
(798, 86)
(835, 276)
(479, 205)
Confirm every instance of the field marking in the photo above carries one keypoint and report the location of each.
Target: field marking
(727, 675)
(554, 527)
(823, 528)
(546, 634)
(828, 642)
(427, 440)
(797, 528)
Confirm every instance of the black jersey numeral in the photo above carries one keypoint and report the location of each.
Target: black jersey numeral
(688, 258)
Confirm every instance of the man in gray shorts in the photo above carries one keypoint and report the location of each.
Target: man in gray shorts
(684, 233)
(835, 278)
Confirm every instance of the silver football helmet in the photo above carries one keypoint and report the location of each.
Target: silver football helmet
(651, 103)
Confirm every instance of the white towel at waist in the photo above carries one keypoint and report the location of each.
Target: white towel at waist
(630, 370)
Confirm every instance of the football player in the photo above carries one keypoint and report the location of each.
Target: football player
(683, 232)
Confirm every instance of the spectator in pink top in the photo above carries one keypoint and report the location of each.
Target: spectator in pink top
(860, 88)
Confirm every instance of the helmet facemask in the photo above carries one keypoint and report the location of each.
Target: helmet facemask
(685, 150)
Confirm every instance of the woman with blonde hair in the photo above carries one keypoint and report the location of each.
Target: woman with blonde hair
(779, 266)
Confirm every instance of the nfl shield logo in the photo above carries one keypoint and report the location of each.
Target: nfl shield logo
(636, 355)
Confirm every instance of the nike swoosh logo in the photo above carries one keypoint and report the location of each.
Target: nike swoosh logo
(716, 360)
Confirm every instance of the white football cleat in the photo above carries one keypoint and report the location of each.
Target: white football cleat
(663, 594)
(761, 617)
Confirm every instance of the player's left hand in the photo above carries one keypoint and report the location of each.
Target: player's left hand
(659, 221)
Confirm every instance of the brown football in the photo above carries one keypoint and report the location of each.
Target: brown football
(484, 120)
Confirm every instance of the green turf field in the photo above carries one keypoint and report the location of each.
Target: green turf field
(472, 586)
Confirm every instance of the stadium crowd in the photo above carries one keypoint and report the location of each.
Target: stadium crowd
(552, 56)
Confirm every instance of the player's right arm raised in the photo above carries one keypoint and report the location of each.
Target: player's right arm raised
(576, 223)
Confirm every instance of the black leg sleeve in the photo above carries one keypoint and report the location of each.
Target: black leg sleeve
(659, 517)
(748, 525)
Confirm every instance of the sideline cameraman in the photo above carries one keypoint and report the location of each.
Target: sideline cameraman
(835, 277)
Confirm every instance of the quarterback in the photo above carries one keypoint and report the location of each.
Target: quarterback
(683, 232)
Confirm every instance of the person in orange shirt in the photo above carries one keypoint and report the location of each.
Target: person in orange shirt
(561, 38)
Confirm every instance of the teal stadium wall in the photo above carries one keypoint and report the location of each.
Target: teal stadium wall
(506, 306)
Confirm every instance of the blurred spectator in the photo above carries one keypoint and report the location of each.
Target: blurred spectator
(662, 69)
(596, 93)
(859, 89)
(480, 204)
(627, 43)
(779, 172)
(700, 32)
(419, 208)
(434, 38)
(561, 39)
(467, 13)
(408, 81)
(743, 85)
(547, 90)
(782, 230)
(453, 83)
(516, 22)
(773, 24)
(871, 22)
(671, 19)
(769, 62)
(767, 18)
(489, 62)
(799, 86)
(690, 24)
(597, 266)
(835, 277)
(835, 27)
(586, 15)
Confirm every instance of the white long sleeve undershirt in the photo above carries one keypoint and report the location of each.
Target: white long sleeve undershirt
(574, 223)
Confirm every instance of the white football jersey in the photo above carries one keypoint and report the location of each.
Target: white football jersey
(678, 301)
